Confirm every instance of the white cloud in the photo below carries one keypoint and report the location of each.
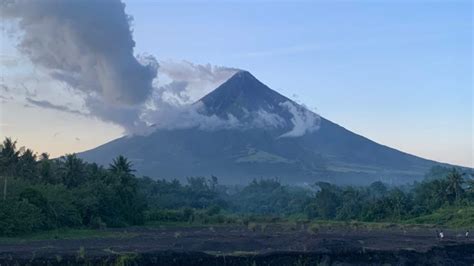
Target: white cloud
(200, 79)
(304, 121)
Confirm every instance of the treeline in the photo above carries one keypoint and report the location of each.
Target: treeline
(204, 200)
(375, 203)
(40, 193)
(380, 203)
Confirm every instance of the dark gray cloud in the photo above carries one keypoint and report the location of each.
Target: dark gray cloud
(126, 116)
(4, 88)
(85, 43)
(49, 105)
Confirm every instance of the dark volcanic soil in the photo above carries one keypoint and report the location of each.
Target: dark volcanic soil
(233, 245)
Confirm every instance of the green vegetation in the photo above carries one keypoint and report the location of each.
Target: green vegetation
(44, 195)
(47, 194)
(449, 216)
(67, 233)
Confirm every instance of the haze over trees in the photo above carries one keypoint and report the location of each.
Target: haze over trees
(40, 193)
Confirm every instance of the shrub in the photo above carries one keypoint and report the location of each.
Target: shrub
(165, 215)
(19, 217)
(214, 210)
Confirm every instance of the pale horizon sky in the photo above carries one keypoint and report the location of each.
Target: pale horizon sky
(398, 73)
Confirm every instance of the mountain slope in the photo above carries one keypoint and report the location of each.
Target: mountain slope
(275, 138)
(242, 92)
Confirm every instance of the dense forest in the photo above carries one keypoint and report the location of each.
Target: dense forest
(39, 193)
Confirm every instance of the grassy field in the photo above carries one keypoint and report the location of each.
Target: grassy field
(449, 217)
(453, 218)
(67, 233)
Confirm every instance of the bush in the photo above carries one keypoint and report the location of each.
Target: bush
(19, 217)
(188, 214)
(214, 210)
(165, 216)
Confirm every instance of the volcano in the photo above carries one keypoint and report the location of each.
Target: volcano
(272, 137)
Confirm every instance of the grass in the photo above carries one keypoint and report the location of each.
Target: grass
(66, 233)
(127, 259)
(449, 217)
(262, 156)
(357, 225)
(160, 224)
(81, 253)
(124, 258)
(305, 224)
(237, 253)
(452, 217)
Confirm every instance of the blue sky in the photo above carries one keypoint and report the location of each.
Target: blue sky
(397, 72)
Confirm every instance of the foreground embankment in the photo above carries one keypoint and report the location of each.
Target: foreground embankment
(250, 245)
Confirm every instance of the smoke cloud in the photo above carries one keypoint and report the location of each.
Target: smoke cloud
(173, 105)
(304, 121)
(264, 119)
(199, 79)
(189, 116)
(86, 43)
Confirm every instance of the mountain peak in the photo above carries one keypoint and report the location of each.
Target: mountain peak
(242, 81)
(241, 93)
(242, 75)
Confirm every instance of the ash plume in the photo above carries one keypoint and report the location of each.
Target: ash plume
(85, 43)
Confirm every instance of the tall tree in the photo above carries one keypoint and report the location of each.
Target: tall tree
(9, 157)
(46, 170)
(131, 204)
(72, 169)
(122, 168)
(121, 165)
(470, 188)
(327, 200)
(455, 182)
(27, 166)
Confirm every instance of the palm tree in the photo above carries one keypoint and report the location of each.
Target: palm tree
(121, 165)
(439, 193)
(470, 187)
(398, 200)
(44, 156)
(9, 156)
(73, 170)
(455, 182)
(45, 169)
(27, 166)
(121, 169)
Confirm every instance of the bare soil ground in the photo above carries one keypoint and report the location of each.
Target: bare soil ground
(241, 241)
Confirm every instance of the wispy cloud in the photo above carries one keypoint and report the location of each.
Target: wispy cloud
(9, 61)
(49, 105)
(192, 81)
